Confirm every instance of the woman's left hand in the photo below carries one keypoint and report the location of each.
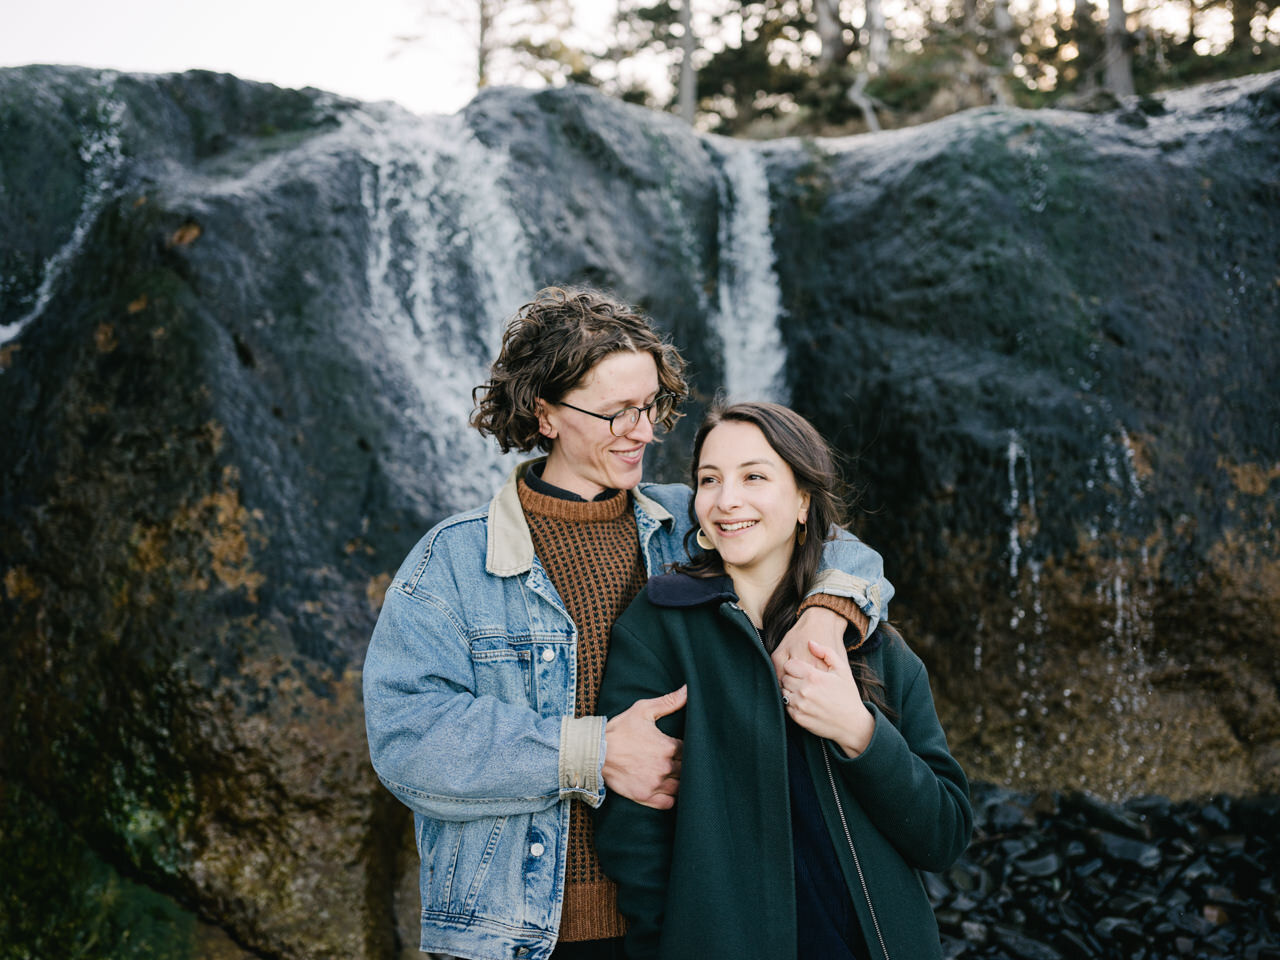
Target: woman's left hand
(825, 699)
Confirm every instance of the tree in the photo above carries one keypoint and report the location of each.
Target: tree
(877, 37)
(663, 31)
(1119, 55)
(1087, 41)
(687, 86)
(1003, 32)
(835, 37)
(513, 40)
(769, 67)
(1242, 13)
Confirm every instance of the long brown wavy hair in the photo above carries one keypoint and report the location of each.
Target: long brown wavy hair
(813, 464)
(551, 343)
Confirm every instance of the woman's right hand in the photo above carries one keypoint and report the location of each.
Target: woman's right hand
(640, 761)
(826, 701)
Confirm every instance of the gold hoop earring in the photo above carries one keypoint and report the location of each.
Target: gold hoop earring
(704, 541)
(802, 535)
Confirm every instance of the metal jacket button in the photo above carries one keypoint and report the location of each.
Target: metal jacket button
(537, 849)
(548, 654)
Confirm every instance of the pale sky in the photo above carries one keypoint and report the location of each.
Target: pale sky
(346, 46)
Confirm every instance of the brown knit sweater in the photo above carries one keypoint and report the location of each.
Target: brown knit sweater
(591, 552)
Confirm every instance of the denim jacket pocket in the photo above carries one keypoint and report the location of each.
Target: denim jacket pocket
(457, 856)
(503, 671)
(490, 869)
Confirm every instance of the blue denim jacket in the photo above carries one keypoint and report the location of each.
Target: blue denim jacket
(469, 689)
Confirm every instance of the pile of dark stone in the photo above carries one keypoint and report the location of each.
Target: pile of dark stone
(1065, 876)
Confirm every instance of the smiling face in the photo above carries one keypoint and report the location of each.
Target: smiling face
(585, 457)
(747, 501)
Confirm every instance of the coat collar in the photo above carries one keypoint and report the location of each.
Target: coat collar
(509, 546)
(682, 590)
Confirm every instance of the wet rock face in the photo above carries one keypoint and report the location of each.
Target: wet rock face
(239, 327)
(237, 363)
(184, 618)
(1050, 338)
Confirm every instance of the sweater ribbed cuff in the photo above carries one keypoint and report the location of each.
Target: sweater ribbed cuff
(582, 759)
(844, 606)
(864, 594)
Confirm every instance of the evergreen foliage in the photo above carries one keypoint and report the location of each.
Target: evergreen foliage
(778, 67)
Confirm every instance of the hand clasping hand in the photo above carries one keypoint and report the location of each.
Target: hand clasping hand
(825, 700)
(815, 623)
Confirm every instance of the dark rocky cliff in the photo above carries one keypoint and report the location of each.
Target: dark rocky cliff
(238, 330)
(1067, 334)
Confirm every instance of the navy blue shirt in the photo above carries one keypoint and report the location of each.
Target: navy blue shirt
(827, 926)
(533, 477)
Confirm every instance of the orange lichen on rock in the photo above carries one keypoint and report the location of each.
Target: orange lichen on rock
(1247, 566)
(189, 232)
(149, 548)
(226, 529)
(228, 540)
(105, 338)
(20, 585)
(1141, 444)
(376, 590)
(215, 432)
(358, 544)
(1250, 478)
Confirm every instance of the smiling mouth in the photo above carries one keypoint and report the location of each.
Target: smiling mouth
(736, 525)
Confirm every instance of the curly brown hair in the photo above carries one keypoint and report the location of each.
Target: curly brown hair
(549, 346)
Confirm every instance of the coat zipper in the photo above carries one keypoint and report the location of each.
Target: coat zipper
(831, 778)
(875, 922)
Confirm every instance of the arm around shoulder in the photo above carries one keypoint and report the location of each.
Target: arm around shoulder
(852, 569)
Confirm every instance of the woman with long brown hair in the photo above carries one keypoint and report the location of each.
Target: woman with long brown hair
(806, 808)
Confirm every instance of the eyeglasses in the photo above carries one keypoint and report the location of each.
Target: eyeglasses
(624, 421)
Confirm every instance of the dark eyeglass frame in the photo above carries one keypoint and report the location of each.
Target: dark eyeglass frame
(631, 415)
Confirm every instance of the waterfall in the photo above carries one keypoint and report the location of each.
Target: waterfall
(1020, 505)
(1012, 453)
(750, 302)
(448, 264)
(1121, 590)
(1120, 684)
(102, 158)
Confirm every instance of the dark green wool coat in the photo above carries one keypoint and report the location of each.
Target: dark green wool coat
(714, 878)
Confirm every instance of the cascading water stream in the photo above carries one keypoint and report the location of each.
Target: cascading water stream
(1127, 592)
(749, 308)
(100, 152)
(448, 264)
(1023, 524)
(1118, 684)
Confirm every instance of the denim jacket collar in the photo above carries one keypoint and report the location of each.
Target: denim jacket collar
(509, 548)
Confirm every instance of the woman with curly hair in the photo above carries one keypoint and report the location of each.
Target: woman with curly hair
(483, 671)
